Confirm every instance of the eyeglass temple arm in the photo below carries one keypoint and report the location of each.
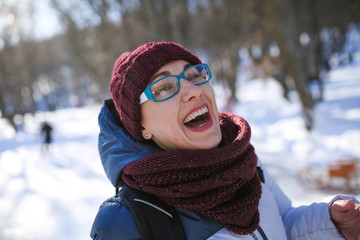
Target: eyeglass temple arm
(143, 98)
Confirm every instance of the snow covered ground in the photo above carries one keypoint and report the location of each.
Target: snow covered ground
(55, 194)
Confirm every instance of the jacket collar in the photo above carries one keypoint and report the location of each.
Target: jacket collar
(116, 147)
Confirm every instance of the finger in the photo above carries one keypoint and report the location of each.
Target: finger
(357, 206)
(343, 210)
(343, 205)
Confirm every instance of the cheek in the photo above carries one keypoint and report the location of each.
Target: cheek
(158, 119)
(146, 116)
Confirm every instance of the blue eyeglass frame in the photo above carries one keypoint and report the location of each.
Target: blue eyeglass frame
(148, 95)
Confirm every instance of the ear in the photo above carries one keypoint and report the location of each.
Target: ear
(146, 134)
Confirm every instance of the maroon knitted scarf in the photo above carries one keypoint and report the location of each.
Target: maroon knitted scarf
(221, 184)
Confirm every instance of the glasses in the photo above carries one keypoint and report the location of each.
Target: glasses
(167, 87)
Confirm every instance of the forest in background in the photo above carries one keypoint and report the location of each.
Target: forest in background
(291, 41)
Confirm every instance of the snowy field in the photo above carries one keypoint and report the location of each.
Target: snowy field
(55, 194)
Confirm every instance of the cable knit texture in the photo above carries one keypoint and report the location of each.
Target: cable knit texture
(221, 184)
(131, 74)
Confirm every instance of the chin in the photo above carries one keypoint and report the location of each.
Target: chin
(207, 143)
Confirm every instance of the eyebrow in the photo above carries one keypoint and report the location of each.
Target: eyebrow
(187, 66)
(167, 73)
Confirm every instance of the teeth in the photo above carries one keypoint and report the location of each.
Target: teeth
(196, 114)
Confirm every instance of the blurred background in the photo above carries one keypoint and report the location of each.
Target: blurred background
(60, 53)
(291, 68)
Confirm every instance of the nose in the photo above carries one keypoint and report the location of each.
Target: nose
(189, 91)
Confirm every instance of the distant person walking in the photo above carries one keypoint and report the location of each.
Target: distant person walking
(46, 131)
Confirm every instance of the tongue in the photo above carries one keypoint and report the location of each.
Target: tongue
(198, 121)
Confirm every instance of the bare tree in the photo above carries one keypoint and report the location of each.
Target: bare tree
(97, 32)
(18, 62)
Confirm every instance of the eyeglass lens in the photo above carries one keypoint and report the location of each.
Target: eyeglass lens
(168, 86)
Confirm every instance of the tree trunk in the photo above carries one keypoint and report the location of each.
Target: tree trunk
(286, 36)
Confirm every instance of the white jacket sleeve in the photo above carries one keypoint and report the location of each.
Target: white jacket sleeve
(304, 222)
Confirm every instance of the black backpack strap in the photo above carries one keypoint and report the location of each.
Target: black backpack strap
(155, 219)
(261, 174)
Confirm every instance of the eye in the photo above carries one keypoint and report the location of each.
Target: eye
(163, 90)
(195, 78)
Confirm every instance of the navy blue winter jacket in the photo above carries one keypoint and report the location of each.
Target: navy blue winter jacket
(117, 148)
(278, 219)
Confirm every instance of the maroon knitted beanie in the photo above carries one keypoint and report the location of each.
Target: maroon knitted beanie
(131, 74)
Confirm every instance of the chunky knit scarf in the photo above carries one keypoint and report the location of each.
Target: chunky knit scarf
(221, 184)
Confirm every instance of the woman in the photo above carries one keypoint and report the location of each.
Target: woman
(164, 138)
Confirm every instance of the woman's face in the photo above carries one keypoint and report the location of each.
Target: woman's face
(188, 120)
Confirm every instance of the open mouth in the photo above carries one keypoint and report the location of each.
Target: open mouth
(198, 118)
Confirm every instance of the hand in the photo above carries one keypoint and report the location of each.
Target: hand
(346, 216)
